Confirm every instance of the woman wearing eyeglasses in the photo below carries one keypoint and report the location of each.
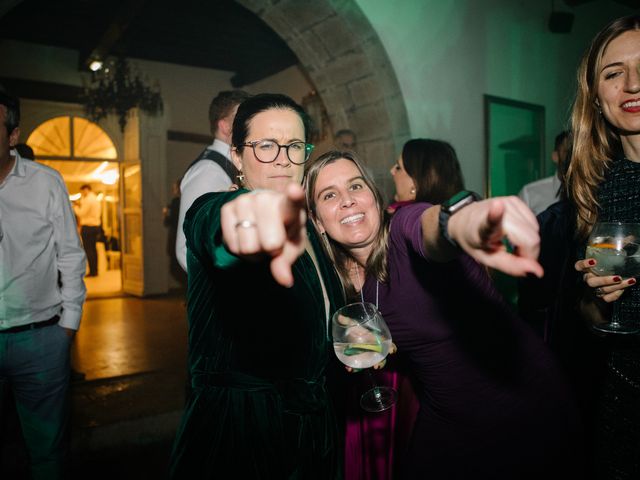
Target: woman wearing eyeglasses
(257, 349)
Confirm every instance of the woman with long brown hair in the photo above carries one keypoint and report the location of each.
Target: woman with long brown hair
(603, 184)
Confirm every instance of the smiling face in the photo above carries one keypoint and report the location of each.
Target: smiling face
(283, 126)
(619, 83)
(345, 207)
(405, 188)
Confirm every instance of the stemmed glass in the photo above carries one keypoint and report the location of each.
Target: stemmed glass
(616, 248)
(361, 339)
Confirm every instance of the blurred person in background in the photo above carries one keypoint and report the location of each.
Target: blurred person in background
(213, 170)
(345, 139)
(542, 193)
(426, 171)
(88, 210)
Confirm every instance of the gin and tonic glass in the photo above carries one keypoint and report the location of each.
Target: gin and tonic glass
(616, 248)
(361, 339)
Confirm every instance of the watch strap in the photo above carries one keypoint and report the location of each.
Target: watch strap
(452, 206)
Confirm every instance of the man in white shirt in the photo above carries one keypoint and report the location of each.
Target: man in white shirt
(213, 170)
(42, 291)
(88, 211)
(542, 193)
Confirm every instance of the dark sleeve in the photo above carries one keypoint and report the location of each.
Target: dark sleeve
(537, 296)
(203, 231)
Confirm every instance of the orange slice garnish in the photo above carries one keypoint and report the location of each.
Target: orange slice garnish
(603, 245)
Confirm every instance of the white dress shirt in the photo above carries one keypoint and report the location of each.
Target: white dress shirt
(89, 210)
(541, 193)
(39, 243)
(203, 177)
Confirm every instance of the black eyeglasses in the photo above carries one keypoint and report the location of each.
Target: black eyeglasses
(266, 151)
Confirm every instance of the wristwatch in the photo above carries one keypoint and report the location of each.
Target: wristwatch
(452, 206)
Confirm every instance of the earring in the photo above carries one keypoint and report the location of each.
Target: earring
(240, 176)
(413, 191)
(325, 240)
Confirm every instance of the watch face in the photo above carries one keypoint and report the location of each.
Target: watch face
(463, 202)
(460, 200)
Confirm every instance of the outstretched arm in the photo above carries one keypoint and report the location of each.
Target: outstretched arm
(481, 228)
(267, 223)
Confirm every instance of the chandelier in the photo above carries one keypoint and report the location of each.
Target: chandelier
(116, 89)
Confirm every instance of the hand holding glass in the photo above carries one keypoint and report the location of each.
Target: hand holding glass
(616, 248)
(361, 339)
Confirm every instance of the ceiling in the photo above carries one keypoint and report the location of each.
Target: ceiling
(626, 3)
(216, 34)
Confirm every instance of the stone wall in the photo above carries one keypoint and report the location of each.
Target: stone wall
(350, 70)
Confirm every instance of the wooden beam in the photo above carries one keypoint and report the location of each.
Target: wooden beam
(112, 34)
(36, 90)
(178, 136)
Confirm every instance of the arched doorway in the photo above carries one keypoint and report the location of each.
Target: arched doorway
(85, 155)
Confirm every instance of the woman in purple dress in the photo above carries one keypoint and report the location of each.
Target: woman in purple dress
(492, 402)
(427, 170)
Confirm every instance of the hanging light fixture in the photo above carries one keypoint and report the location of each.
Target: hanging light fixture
(116, 89)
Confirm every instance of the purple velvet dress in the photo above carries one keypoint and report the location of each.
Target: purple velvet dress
(493, 404)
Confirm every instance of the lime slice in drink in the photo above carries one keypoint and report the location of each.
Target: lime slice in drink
(358, 348)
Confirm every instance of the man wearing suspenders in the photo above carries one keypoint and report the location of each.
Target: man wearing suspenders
(213, 170)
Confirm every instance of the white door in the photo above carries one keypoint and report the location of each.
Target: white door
(145, 264)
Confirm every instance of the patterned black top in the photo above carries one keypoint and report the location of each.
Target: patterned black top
(617, 455)
(619, 198)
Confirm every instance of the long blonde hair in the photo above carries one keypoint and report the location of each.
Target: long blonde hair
(340, 256)
(595, 141)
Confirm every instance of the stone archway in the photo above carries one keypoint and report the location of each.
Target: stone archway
(346, 62)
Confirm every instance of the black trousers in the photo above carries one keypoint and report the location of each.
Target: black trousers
(89, 238)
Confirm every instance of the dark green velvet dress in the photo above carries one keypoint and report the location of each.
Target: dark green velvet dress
(257, 358)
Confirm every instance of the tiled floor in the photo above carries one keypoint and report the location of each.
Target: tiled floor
(127, 335)
(108, 282)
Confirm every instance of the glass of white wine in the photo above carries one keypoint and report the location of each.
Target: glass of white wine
(361, 339)
(616, 248)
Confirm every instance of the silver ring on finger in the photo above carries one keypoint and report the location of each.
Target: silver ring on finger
(599, 292)
(245, 224)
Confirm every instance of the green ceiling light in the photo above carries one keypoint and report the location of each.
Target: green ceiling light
(116, 89)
